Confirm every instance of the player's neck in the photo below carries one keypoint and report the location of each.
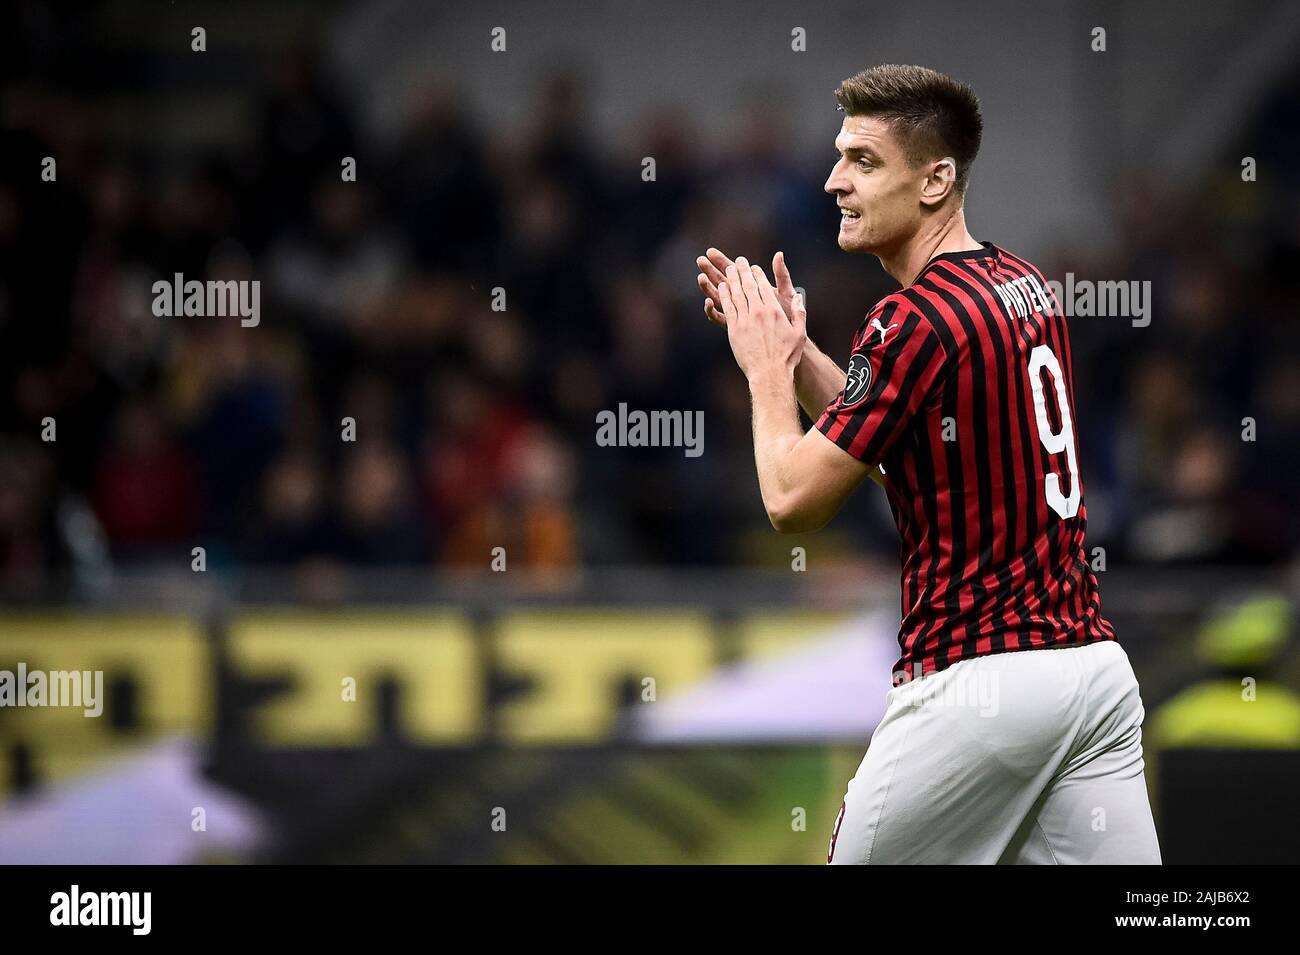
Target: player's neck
(949, 235)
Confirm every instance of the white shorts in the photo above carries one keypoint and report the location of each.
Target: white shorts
(1029, 756)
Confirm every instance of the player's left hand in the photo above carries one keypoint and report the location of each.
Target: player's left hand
(714, 263)
(762, 338)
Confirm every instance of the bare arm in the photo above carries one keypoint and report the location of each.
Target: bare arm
(804, 478)
(817, 378)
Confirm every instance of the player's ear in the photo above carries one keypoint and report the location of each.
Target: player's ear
(940, 181)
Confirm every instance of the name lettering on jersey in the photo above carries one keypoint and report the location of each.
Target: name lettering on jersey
(1078, 297)
(1025, 295)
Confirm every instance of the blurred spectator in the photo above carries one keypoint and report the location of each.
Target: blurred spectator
(294, 521)
(146, 490)
(49, 539)
(341, 265)
(379, 523)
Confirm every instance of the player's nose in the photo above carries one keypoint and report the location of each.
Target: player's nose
(835, 182)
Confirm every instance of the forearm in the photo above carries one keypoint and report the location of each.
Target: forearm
(817, 380)
(776, 431)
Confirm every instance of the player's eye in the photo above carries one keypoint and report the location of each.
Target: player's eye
(864, 164)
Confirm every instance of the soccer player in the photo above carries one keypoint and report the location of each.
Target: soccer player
(1013, 729)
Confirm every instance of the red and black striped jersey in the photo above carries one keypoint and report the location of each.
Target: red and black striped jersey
(959, 386)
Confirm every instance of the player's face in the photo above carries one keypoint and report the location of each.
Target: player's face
(877, 190)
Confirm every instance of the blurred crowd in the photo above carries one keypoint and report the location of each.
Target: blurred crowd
(478, 295)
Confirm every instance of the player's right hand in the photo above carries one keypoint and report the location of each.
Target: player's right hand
(713, 266)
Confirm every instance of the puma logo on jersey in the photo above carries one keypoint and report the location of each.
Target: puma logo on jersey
(875, 323)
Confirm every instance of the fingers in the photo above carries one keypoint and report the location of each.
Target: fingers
(766, 292)
(799, 318)
(713, 265)
(781, 272)
(714, 314)
(718, 260)
(765, 288)
(707, 287)
(748, 286)
(733, 303)
(708, 271)
(712, 300)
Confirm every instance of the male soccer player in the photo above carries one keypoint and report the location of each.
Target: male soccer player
(1013, 731)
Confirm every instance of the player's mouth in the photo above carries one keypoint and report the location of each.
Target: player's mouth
(848, 215)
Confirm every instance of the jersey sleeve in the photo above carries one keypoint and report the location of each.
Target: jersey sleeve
(897, 365)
